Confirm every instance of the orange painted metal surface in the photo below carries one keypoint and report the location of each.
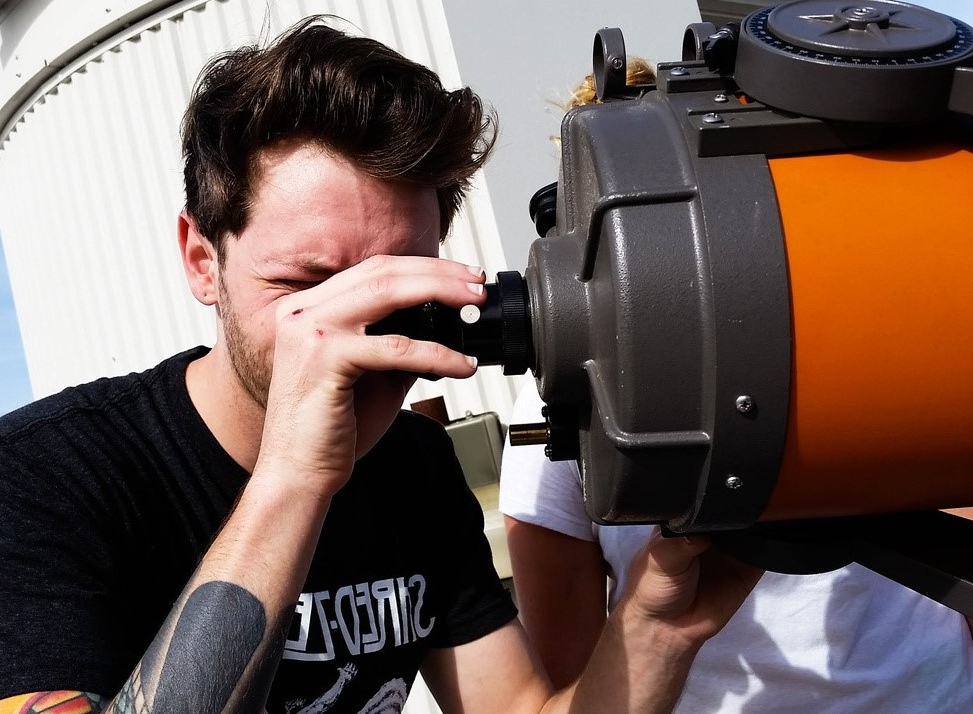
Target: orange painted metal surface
(880, 258)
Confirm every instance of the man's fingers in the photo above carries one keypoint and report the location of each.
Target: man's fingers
(403, 353)
(346, 356)
(327, 324)
(673, 556)
(381, 284)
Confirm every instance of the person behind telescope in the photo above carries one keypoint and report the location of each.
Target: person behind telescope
(638, 72)
(258, 526)
(845, 641)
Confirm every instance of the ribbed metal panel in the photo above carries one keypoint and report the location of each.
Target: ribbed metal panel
(90, 185)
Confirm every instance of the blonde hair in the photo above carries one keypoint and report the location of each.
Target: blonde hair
(637, 71)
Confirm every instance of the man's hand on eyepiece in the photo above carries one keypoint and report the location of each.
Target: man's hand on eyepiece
(336, 389)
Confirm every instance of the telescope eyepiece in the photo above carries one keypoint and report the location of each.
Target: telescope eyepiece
(496, 333)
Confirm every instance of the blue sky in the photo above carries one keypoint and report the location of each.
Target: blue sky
(14, 386)
(960, 9)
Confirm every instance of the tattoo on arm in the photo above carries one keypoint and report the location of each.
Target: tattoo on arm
(59, 702)
(202, 664)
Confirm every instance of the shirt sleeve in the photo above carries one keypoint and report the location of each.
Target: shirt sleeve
(52, 591)
(536, 490)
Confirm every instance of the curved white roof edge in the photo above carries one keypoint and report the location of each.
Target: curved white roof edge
(41, 41)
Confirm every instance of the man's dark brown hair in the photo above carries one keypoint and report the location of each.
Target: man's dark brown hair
(354, 96)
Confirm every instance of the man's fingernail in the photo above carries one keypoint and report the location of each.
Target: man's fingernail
(475, 288)
(471, 361)
(475, 270)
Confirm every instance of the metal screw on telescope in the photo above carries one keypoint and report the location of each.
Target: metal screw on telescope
(721, 98)
(679, 71)
(712, 118)
(744, 404)
(734, 482)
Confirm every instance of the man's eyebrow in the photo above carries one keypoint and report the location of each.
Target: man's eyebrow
(310, 266)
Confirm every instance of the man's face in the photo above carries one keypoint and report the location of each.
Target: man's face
(313, 215)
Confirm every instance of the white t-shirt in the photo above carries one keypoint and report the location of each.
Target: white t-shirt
(845, 641)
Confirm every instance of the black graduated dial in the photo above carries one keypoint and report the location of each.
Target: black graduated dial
(877, 61)
(862, 33)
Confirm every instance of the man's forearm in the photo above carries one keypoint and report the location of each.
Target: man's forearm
(219, 649)
(679, 595)
(199, 662)
(638, 665)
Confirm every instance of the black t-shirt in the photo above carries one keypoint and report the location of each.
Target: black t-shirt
(111, 492)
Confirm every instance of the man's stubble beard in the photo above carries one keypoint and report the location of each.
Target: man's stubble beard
(252, 369)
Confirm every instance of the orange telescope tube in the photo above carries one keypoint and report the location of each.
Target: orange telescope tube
(880, 259)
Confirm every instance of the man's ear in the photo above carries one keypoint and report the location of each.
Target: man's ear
(198, 260)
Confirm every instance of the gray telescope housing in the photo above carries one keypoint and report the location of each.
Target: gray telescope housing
(661, 325)
(659, 291)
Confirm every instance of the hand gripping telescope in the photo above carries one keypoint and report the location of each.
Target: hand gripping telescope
(750, 310)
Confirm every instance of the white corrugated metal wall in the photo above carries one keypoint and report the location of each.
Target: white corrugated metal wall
(90, 185)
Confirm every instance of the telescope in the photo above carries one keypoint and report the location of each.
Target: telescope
(749, 309)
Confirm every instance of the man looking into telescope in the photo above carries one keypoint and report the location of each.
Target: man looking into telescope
(233, 530)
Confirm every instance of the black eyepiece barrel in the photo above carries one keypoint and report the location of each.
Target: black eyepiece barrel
(497, 332)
